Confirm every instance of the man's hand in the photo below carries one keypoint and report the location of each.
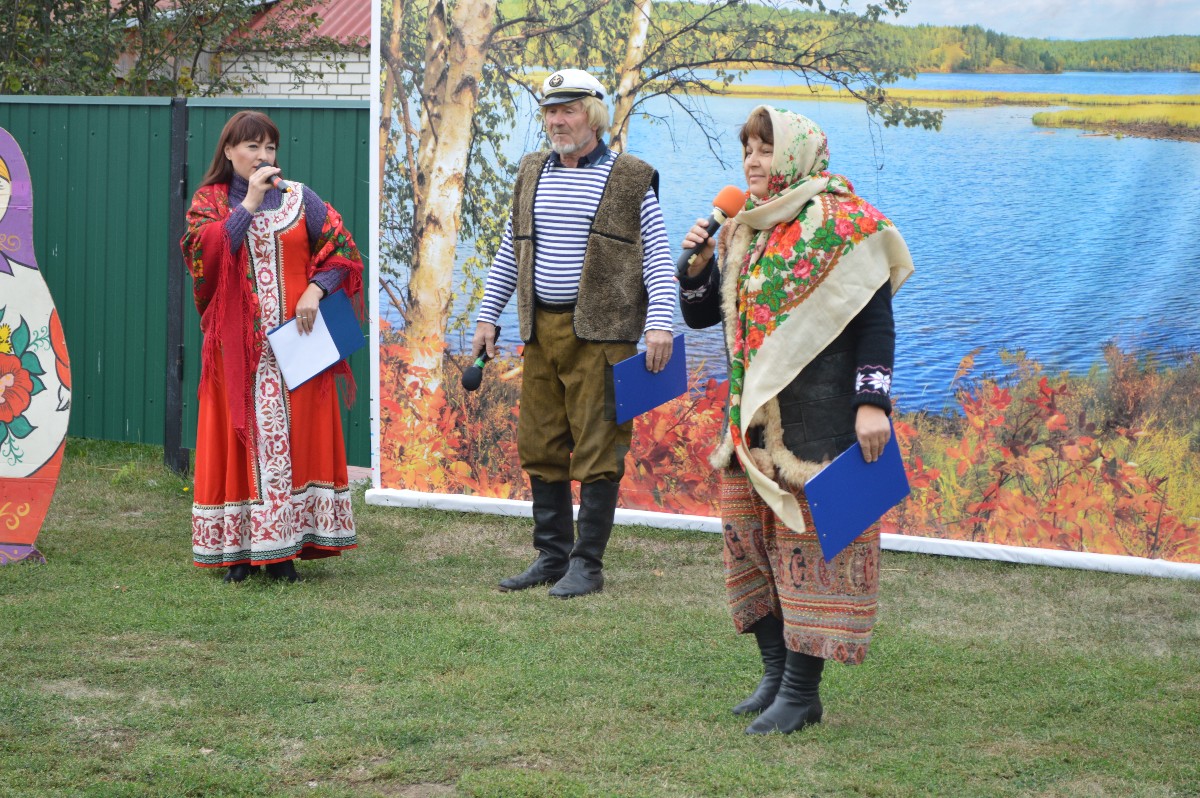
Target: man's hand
(658, 349)
(873, 430)
(484, 338)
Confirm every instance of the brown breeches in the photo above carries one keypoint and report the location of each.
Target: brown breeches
(568, 429)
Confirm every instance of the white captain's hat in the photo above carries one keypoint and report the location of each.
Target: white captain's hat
(568, 85)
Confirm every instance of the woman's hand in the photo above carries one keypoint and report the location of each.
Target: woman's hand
(698, 239)
(306, 308)
(259, 184)
(873, 430)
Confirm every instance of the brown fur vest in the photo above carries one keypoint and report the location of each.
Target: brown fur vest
(612, 300)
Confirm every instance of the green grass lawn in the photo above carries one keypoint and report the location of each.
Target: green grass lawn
(399, 670)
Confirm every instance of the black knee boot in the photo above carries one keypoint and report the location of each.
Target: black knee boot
(769, 634)
(597, 506)
(553, 534)
(797, 704)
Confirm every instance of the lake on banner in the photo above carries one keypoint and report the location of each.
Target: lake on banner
(1062, 83)
(1048, 241)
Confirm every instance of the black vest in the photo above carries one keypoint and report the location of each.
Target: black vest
(816, 409)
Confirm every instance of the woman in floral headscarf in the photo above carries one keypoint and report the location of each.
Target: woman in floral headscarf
(803, 279)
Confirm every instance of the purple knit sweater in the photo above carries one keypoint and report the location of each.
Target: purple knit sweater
(239, 219)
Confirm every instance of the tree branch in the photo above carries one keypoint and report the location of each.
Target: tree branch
(563, 27)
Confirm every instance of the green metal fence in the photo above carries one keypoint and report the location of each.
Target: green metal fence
(102, 186)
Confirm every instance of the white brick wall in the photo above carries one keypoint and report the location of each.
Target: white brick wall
(353, 82)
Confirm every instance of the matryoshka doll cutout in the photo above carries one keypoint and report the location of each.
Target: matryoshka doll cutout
(35, 375)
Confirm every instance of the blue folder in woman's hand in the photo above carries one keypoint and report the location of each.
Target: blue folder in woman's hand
(334, 337)
(850, 494)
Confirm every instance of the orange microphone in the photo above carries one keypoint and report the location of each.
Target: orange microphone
(728, 202)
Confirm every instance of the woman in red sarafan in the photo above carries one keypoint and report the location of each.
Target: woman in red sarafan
(271, 482)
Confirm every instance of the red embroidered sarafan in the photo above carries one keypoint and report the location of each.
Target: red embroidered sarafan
(271, 481)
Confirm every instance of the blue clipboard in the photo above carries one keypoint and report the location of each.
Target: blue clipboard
(850, 494)
(637, 390)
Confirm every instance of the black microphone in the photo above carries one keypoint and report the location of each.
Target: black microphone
(276, 180)
(728, 202)
(473, 375)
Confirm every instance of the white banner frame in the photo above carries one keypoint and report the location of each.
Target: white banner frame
(1082, 560)
(376, 185)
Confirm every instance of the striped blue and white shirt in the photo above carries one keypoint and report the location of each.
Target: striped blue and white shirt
(566, 202)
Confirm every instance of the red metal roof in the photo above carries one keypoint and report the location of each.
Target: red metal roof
(347, 21)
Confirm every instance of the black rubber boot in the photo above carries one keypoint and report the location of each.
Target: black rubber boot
(769, 634)
(798, 703)
(553, 534)
(597, 506)
(283, 570)
(240, 571)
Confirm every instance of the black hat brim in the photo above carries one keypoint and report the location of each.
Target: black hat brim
(559, 98)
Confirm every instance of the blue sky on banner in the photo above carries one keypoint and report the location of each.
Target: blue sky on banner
(1062, 19)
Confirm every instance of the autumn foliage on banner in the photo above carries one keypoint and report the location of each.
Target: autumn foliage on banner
(447, 440)
(1105, 463)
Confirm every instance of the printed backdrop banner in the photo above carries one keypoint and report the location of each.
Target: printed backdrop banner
(1047, 369)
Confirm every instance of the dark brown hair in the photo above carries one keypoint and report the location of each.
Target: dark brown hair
(759, 126)
(242, 126)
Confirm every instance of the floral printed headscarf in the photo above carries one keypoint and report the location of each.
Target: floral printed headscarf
(801, 156)
(813, 242)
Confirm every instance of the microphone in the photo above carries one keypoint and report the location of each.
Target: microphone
(726, 205)
(473, 375)
(276, 180)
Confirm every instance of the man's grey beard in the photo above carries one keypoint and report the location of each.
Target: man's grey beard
(565, 149)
